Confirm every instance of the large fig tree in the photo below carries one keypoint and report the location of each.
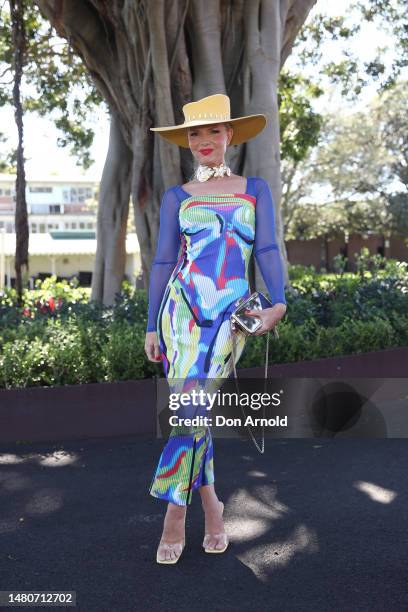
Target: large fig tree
(148, 58)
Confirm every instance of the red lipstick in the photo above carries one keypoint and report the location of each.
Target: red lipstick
(206, 151)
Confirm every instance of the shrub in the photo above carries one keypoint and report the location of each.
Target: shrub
(60, 337)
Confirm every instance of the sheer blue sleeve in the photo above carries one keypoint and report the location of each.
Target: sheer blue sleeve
(266, 249)
(166, 254)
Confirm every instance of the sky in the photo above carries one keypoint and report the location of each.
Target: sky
(45, 158)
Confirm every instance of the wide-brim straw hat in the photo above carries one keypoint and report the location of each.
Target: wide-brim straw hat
(210, 110)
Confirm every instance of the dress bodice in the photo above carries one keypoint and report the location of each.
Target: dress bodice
(217, 234)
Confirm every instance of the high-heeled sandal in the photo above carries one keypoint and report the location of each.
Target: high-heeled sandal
(170, 546)
(175, 546)
(216, 535)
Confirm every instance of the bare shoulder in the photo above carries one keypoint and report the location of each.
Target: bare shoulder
(190, 183)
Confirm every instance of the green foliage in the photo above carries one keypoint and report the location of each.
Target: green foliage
(297, 271)
(59, 337)
(362, 161)
(299, 124)
(365, 261)
(339, 263)
(346, 68)
(398, 206)
(56, 82)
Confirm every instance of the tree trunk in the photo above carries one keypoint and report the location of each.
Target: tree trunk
(113, 213)
(21, 220)
(149, 57)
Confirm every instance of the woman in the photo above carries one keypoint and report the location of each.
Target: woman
(192, 296)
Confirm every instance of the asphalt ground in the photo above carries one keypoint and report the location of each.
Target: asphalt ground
(314, 524)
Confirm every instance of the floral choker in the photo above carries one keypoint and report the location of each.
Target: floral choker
(203, 173)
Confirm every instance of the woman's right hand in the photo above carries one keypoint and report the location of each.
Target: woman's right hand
(152, 347)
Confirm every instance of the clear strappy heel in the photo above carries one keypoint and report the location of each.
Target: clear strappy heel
(222, 535)
(177, 547)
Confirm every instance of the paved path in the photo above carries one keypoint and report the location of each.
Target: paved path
(315, 524)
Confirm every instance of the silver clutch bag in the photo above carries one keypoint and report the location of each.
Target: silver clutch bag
(249, 325)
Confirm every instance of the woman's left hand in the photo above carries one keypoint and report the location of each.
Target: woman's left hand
(268, 316)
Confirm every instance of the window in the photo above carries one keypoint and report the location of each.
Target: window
(40, 189)
(73, 194)
(55, 208)
(82, 225)
(89, 225)
(42, 228)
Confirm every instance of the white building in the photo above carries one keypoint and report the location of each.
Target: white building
(52, 203)
(62, 255)
(62, 230)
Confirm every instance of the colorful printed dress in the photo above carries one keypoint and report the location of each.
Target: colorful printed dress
(191, 298)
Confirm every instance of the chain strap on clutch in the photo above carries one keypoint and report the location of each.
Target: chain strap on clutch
(249, 325)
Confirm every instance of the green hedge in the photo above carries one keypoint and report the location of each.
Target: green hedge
(60, 337)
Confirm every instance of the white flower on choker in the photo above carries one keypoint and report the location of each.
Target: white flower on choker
(203, 173)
